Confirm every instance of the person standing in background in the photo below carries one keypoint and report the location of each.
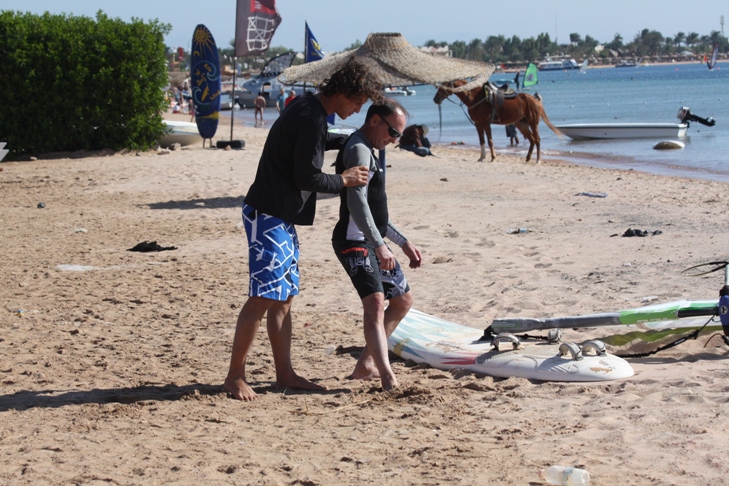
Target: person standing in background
(281, 100)
(260, 104)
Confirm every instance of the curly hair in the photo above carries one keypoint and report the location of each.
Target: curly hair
(354, 81)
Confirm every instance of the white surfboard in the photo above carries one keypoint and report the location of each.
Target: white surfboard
(445, 345)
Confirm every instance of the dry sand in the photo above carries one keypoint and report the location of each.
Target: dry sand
(112, 375)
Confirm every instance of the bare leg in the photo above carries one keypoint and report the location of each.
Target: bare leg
(374, 333)
(249, 320)
(279, 333)
(366, 368)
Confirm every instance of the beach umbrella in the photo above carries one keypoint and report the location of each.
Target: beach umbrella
(394, 62)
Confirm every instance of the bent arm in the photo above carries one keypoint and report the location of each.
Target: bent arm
(359, 210)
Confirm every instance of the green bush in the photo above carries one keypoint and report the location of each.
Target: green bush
(75, 83)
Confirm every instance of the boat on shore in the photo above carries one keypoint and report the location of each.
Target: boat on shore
(266, 83)
(558, 65)
(184, 133)
(591, 131)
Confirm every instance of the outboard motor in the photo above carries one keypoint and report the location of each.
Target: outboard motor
(685, 115)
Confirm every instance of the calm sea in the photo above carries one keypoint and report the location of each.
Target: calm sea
(604, 95)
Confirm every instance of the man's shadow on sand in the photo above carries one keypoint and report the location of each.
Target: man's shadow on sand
(211, 202)
(24, 400)
(205, 203)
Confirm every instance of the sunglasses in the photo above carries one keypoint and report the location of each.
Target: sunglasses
(391, 131)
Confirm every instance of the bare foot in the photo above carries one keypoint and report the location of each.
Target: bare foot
(239, 389)
(388, 383)
(297, 382)
(365, 370)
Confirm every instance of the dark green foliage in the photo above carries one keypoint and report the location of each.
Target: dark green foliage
(648, 43)
(76, 83)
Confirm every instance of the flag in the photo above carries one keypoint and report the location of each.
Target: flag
(256, 22)
(313, 49)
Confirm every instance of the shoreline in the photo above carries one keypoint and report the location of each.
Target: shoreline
(580, 158)
(603, 66)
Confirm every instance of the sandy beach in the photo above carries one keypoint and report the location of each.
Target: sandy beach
(112, 361)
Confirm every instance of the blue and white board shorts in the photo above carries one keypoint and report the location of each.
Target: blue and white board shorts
(273, 255)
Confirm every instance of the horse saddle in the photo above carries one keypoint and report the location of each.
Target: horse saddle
(495, 95)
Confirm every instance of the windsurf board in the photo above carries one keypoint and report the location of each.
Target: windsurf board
(445, 345)
(205, 80)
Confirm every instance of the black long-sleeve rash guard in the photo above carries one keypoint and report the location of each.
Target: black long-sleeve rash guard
(289, 172)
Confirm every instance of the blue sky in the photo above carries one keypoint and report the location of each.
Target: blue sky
(338, 23)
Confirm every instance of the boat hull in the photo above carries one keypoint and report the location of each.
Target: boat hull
(184, 133)
(587, 131)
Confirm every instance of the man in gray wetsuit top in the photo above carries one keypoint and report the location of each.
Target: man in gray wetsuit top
(358, 241)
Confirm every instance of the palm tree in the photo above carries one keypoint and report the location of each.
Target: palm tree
(691, 39)
(679, 38)
(714, 38)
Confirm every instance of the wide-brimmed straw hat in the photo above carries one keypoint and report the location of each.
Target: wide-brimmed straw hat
(394, 62)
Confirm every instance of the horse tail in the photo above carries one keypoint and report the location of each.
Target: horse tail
(544, 117)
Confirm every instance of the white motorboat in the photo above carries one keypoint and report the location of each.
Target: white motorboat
(184, 133)
(550, 65)
(589, 131)
(404, 91)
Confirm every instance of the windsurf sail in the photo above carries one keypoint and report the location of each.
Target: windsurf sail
(530, 76)
(712, 62)
(671, 311)
(583, 66)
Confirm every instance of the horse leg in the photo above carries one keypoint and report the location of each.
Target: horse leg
(523, 127)
(482, 142)
(491, 142)
(537, 140)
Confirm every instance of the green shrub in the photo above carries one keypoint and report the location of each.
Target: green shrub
(75, 83)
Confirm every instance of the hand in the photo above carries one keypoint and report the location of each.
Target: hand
(387, 259)
(413, 253)
(355, 176)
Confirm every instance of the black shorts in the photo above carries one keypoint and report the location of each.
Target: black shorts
(360, 261)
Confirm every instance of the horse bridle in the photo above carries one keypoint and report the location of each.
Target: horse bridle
(462, 104)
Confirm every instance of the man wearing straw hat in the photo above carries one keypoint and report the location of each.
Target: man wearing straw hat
(282, 195)
(358, 241)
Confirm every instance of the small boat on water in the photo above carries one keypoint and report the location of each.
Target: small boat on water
(184, 133)
(589, 131)
(624, 63)
(558, 65)
(397, 91)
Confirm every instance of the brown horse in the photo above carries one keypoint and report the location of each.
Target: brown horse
(525, 111)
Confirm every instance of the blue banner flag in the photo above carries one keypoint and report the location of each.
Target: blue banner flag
(313, 49)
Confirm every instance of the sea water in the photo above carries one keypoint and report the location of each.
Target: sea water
(646, 94)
